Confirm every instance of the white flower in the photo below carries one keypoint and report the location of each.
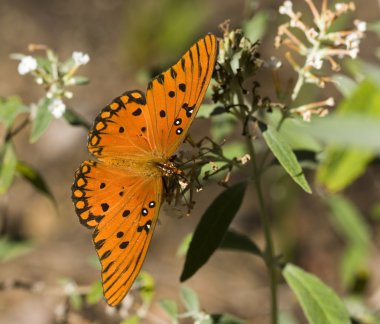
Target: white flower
(80, 58)
(360, 25)
(183, 184)
(273, 63)
(330, 102)
(57, 108)
(27, 65)
(245, 158)
(312, 33)
(354, 52)
(340, 6)
(306, 115)
(70, 288)
(286, 8)
(68, 94)
(315, 60)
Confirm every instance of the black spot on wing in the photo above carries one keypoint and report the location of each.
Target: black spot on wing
(105, 207)
(173, 73)
(137, 112)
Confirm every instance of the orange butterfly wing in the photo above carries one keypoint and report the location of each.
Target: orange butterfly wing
(120, 130)
(120, 196)
(174, 96)
(123, 208)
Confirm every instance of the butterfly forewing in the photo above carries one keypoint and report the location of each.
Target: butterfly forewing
(123, 210)
(121, 129)
(174, 96)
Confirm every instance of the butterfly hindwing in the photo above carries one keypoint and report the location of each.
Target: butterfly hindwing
(123, 209)
(174, 96)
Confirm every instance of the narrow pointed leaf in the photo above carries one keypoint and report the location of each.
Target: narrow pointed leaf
(75, 119)
(10, 108)
(286, 157)
(319, 302)
(354, 130)
(189, 299)
(34, 178)
(95, 294)
(170, 308)
(42, 120)
(348, 221)
(212, 228)
(236, 241)
(8, 162)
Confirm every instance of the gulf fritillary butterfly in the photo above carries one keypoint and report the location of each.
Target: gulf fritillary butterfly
(133, 139)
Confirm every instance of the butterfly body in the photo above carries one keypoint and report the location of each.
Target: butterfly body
(133, 139)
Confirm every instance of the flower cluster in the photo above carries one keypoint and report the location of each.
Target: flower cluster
(238, 61)
(317, 44)
(55, 76)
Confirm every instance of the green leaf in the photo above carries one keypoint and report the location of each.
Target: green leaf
(336, 130)
(95, 294)
(11, 249)
(354, 265)
(146, 289)
(8, 162)
(184, 245)
(368, 70)
(236, 241)
(341, 167)
(42, 120)
(353, 137)
(212, 228)
(75, 119)
(351, 225)
(171, 308)
(226, 319)
(348, 221)
(10, 108)
(344, 84)
(256, 27)
(189, 299)
(286, 157)
(76, 301)
(134, 319)
(290, 130)
(319, 302)
(35, 179)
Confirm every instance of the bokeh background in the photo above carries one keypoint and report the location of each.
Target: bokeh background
(126, 39)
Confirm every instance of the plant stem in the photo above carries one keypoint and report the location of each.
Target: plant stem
(299, 84)
(270, 259)
(269, 255)
(12, 133)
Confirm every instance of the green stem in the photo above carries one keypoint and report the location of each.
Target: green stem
(270, 259)
(12, 133)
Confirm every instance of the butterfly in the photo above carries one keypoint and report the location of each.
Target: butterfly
(133, 139)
